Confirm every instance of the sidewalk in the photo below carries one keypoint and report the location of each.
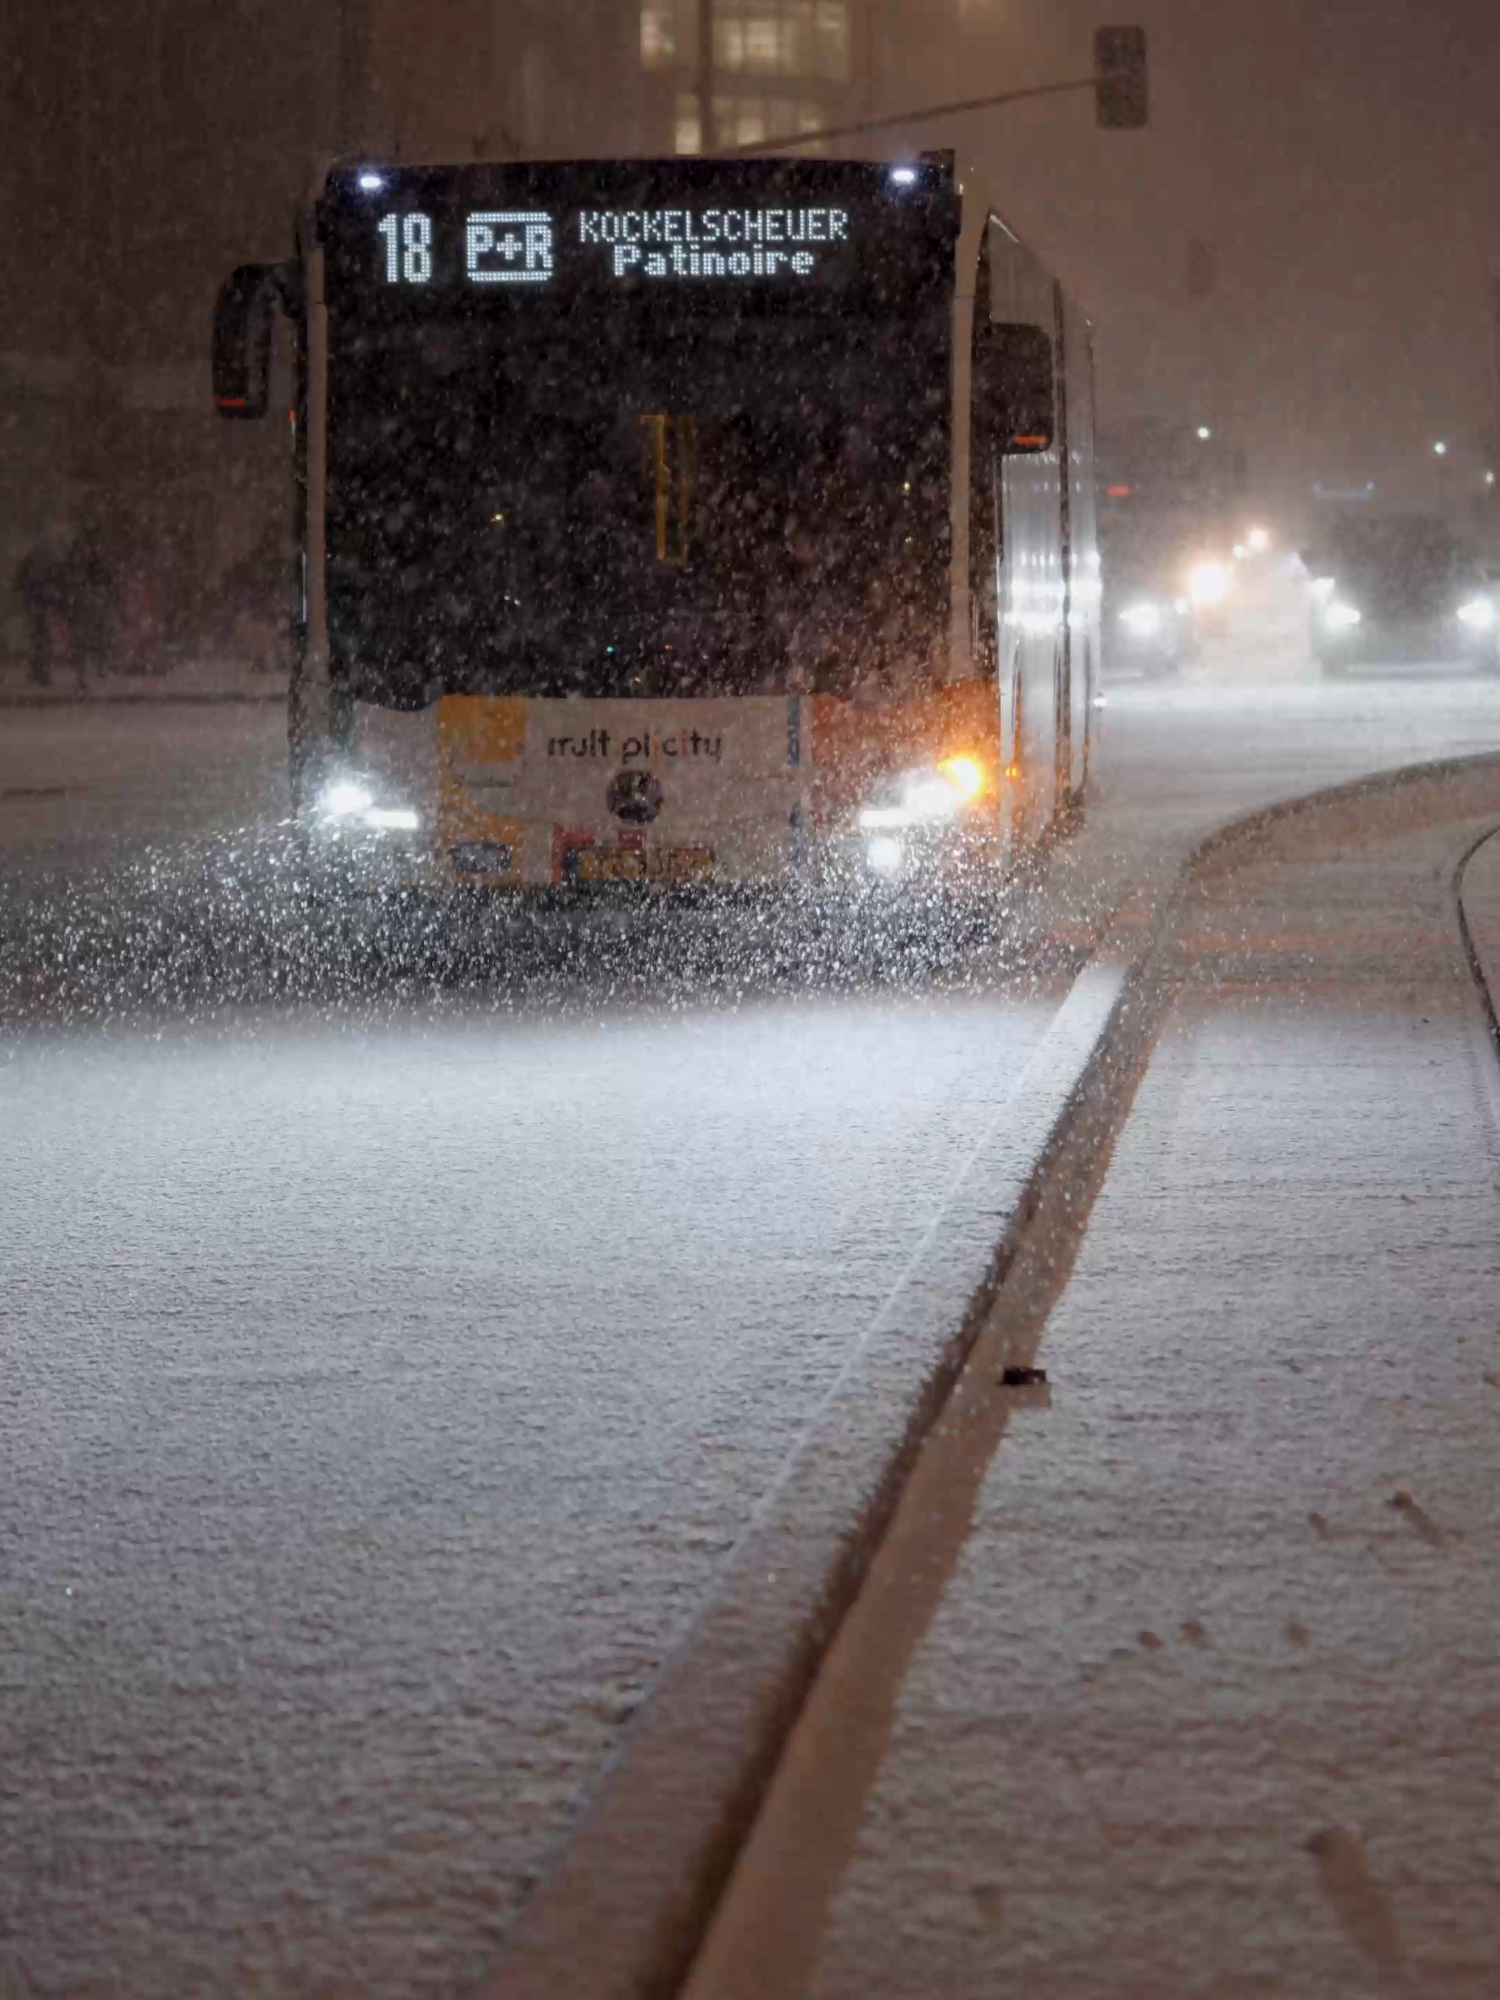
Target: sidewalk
(192, 681)
(1178, 1677)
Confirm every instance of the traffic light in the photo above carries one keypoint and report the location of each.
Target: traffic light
(1120, 78)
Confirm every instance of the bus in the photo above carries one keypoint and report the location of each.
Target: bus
(679, 525)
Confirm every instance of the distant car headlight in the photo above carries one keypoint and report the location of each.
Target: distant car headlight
(1258, 541)
(1478, 614)
(1340, 617)
(1145, 620)
(1209, 582)
(923, 797)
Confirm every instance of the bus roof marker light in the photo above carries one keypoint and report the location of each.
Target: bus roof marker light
(371, 182)
(903, 176)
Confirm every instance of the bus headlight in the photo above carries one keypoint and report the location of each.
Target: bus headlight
(1340, 617)
(349, 802)
(965, 775)
(924, 797)
(1478, 614)
(345, 798)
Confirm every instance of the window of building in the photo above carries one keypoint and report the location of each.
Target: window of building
(804, 38)
(745, 121)
(804, 44)
(831, 41)
(658, 35)
(689, 137)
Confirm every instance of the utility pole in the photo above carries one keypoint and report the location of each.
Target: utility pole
(708, 131)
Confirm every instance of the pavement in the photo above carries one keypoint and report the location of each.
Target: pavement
(1175, 1676)
(109, 786)
(194, 680)
(382, 1401)
(396, 1376)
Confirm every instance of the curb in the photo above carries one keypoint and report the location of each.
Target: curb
(627, 1901)
(1480, 941)
(630, 1894)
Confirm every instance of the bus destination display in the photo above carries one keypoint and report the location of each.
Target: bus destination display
(483, 247)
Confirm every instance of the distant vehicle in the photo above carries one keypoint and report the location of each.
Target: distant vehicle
(1399, 590)
(680, 524)
(1149, 622)
(1170, 500)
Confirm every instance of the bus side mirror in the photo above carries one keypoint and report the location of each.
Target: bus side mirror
(244, 312)
(1017, 368)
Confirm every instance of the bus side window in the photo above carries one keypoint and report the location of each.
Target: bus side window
(984, 523)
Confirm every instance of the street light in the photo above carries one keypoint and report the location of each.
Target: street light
(1441, 449)
(1204, 431)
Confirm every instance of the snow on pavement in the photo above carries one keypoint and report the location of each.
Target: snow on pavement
(102, 781)
(381, 1401)
(1207, 1701)
(378, 1406)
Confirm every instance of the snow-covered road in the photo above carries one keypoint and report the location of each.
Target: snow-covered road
(381, 1392)
(379, 1404)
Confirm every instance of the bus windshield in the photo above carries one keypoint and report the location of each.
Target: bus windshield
(713, 488)
(637, 512)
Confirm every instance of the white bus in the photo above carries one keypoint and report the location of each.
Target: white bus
(680, 525)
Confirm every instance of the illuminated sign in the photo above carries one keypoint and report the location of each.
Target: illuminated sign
(714, 242)
(693, 236)
(408, 248)
(528, 246)
(509, 246)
